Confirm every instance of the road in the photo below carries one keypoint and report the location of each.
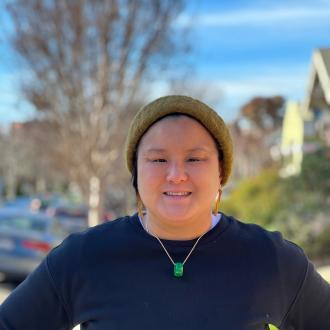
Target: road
(5, 289)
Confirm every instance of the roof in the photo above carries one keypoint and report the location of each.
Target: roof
(318, 91)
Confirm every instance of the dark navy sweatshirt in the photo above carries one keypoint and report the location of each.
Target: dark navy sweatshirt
(117, 276)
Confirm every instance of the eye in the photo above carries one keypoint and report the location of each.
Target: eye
(194, 159)
(159, 160)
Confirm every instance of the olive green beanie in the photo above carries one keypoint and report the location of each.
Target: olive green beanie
(166, 105)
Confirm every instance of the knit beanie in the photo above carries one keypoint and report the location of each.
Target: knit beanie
(186, 105)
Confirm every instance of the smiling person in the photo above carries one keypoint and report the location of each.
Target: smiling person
(178, 263)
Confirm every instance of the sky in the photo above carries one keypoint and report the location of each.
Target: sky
(241, 49)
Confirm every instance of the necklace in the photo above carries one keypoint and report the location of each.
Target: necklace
(178, 266)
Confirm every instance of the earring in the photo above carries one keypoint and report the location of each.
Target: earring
(215, 210)
(140, 206)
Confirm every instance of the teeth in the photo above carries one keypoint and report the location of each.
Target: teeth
(177, 193)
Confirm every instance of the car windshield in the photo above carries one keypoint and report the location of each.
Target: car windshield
(22, 223)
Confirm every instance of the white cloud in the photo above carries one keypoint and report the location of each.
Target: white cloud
(237, 91)
(286, 85)
(257, 17)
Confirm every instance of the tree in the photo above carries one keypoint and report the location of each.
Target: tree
(264, 113)
(254, 141)
(298, 206)
(25, 165)
(88, 60)
(12, 164)
(256, 199)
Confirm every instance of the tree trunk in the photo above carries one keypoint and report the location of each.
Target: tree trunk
(94, 201)
(11, 186)
(41, 186)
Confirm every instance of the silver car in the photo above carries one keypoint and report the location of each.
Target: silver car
(25, 239)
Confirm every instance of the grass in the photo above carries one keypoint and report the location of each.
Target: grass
(325, 272)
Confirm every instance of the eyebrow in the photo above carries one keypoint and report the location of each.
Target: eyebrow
(161, 150)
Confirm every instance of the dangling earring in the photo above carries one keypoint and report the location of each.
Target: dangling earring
(140, 206)
(217, 202)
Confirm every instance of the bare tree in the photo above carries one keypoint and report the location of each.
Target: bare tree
(12, 155)
(88, 60)
(200, 89)
(251, 152)
(24, 164)
(253, 141)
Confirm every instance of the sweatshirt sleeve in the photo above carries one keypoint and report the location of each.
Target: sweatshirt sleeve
(311, 306)
(35, 304)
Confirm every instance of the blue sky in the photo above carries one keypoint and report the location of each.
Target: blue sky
(241, 49)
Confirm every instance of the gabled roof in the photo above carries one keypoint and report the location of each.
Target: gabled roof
(318, 91)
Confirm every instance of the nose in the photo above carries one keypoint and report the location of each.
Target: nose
(176, 173)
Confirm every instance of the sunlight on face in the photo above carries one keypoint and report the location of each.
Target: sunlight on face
(178, 170)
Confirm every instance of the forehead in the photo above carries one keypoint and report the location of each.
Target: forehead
(177, 129)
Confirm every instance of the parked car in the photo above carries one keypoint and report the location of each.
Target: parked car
(19, 203)
(77, 212)
(34, 203)
(25, 239)
(72, 224)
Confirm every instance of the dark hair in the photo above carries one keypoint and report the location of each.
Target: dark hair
(175, 114)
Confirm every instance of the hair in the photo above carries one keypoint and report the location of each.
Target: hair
(174, 114)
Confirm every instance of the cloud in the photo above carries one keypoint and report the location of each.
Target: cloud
(239, 91)
(266, 85)
(257, 17)
(234, 92)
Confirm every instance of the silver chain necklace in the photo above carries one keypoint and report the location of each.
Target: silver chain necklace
(178, 266)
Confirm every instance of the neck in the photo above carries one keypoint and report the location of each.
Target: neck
(186, 231)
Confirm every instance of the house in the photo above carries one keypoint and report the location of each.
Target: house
(292, 140)
(316, 106)
(306, 127)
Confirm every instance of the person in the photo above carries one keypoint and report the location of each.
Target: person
(178, 263)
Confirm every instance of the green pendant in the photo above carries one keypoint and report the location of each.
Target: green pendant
(178, 269)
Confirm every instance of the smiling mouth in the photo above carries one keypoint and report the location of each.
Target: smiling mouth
(181, 194)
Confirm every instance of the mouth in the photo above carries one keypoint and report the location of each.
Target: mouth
(177, 193)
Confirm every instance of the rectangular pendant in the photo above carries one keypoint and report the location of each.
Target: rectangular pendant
(178, 269)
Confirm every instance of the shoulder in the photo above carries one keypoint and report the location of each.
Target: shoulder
(79, 249)
(267, 246)
(96, 234)
(275, 265)
(255, 235)
(80, 256)
(104, 231)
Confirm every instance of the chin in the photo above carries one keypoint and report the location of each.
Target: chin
(176, 215)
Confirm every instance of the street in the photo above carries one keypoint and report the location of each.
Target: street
(5, 289)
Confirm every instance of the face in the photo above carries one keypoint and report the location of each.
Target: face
(178, 170)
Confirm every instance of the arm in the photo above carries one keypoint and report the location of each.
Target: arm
(311, 307)
(35, 304)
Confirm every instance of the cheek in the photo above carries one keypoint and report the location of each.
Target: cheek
(207, 179)
(207, 173)
(148, 177)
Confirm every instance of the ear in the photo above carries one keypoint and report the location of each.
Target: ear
(220, 172)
